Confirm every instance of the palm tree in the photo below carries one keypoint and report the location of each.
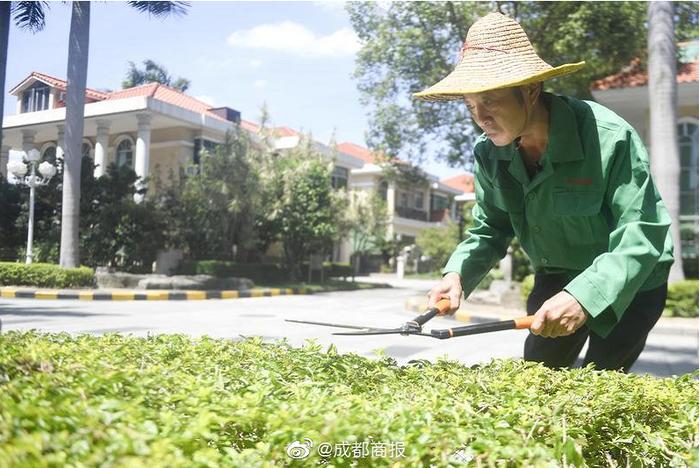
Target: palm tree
(663, 97)
(29, 16)
(152, 72)
(79, 39)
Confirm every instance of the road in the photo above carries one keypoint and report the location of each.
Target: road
(666, 353)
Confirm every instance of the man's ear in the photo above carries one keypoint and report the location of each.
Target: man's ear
(534, 90)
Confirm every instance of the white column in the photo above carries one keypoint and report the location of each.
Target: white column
(28, 139)
(143, 145)
(391, 208)
(60, 143)
(4, 158)
(101, 143)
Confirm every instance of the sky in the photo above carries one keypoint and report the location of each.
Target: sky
(296, 57)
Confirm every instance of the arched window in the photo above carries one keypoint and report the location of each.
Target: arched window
(48, 153)
(125, 152)
(86, 148)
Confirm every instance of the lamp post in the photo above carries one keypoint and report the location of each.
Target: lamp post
(19, 170)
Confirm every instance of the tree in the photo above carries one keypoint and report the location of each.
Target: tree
(28, 15)
(214, 210)
(366, 222)
(152, 72)
(438, 243)
(79, 39)
(663, 99)
(301, 208)
(408, 46)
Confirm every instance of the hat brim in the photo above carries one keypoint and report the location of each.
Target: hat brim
(452, 88)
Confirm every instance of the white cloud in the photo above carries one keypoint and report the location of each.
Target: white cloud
(207, 99)
(260, 84)
(294, 38)
(255, 63)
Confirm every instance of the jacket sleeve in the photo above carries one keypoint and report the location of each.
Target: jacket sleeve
(487, 241)
(639, 225)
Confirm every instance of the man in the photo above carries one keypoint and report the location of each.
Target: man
(571, 179)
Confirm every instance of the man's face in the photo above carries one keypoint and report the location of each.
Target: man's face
(499, 113)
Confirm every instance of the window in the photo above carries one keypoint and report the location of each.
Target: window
(339, 177)
(202, 144)
(125, 153)
(403, 199)
(383, 189)
(418, 200)
(688, 149)
(36, 98)
(86, 149)
(439, 202)
(48, 153)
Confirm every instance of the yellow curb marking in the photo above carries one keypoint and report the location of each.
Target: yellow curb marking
(9, 293)
(229, 294)
(86, 295)
(195, 295)
(123, 296)
(45, 295)
(256, 293)
(157, 295)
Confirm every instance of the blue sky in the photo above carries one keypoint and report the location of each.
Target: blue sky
(298, 57)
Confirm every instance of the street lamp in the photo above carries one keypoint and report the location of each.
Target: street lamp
(19, 170)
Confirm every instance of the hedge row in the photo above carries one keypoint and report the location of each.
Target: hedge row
(45, 275)
(170, 400)
(682, 297)
(258, 272)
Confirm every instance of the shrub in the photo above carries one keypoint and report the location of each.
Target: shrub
(45, 275)
(526, 287)
(258, 272)
(682, 299)
(171, 400)
(492, 275)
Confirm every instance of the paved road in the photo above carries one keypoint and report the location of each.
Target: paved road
(666, 354)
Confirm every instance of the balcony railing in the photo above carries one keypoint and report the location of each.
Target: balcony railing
(438, 216)
(412, 213)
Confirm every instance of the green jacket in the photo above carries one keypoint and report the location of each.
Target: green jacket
(592, 212)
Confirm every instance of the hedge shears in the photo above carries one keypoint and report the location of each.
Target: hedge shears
(415, 326)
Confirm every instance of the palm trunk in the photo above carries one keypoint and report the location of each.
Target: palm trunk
(663, 99)
(79, 39)
(4, 38)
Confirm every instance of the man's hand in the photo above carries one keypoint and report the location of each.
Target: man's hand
(560, 315)
(449, 287)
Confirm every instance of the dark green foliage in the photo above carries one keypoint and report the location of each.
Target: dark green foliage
(177, 401)
(45, 275)
(683, 299)
(267, 273)
(10, 210)
(438, 243)
(409, 46)
(257, 272)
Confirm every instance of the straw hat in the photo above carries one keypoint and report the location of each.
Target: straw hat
(496, 54)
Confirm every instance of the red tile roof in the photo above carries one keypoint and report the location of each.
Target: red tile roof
(61, 84)
(250, 126)
(634, 75)
(284, 132)
(463, 182)
(167, 94)
(357, 151)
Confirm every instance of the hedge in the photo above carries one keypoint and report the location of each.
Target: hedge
(682, 298)
(45, 275)
(258, 272)
(171, 400)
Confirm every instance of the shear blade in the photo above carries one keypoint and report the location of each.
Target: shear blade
(325, 324)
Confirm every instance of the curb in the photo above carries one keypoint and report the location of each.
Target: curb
(156, 295)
